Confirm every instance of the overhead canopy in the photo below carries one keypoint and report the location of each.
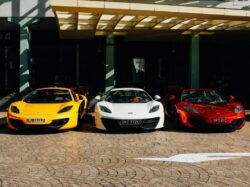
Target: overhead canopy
(82, 18)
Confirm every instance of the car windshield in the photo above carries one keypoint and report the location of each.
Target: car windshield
(202, 96)
(48, 96)
(128, 96)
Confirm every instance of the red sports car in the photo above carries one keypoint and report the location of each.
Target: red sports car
(205, 108)
(83, 90)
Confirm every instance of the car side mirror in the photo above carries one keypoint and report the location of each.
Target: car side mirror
(98, 98)
(172, 98)
(157, 97)
(231, 98)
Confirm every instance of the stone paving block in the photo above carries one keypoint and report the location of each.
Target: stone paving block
(89, 158)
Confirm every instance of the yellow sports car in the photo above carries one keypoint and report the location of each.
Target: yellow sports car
(52, 107)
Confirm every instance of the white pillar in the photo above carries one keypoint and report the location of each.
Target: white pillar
(24, 52)
(110, 71)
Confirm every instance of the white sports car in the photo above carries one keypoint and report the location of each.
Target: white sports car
(127, 108)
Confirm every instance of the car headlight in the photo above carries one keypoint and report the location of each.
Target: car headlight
(154, 109)
(238, 109)
(105, 109)
(14, 109)
(190, 109)
(65, 109)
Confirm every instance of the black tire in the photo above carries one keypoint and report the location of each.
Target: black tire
(78, 120)
(13, 131)
(177, 122)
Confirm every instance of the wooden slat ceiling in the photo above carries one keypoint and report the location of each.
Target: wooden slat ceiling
(105, 17)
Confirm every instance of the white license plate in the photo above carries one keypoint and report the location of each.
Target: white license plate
(219, 120)
(35, 120)
(130, 122)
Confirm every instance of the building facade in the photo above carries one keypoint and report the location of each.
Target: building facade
(102, 44)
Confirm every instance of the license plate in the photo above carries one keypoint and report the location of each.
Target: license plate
(130, 122)
(35, 120)
(219, 120)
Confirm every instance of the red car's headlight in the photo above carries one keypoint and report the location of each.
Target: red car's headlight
(190, 109)
(238, 109)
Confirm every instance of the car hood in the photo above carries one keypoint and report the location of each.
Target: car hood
(40, 109)
(130, 108)
(214, 109)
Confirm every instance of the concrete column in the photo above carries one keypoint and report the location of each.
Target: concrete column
(77, 64)
(24, 51)
(194, 62)
(110, 71)
(6, 69)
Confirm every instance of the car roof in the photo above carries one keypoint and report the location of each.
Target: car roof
(197, 89)
(127, 88)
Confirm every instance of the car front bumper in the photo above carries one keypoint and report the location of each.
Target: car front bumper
(236, 121)
(58, 121)
(109, 122)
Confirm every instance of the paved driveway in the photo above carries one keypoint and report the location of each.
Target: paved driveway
(89, 158)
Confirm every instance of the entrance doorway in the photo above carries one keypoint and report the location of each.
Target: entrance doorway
(9, 62)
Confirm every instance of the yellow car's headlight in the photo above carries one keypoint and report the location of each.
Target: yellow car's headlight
(14, 109)
(65, 109)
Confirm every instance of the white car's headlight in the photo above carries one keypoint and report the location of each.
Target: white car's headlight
(104, 109)
(190, 109)
(154, 109)
(238, 109)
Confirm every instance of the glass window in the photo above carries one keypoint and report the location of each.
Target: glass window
(74, 95)
(128, 96)
(202, 96)
(48, 96)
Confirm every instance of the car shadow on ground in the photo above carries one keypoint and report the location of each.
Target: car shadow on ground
(5, 130)
(88, 125)
(171, 127)
(124, 131)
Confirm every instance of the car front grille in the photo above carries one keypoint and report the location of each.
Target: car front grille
(238, 122)
(112, 124)
(58, 123)
(55, 124)
(199, 123)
